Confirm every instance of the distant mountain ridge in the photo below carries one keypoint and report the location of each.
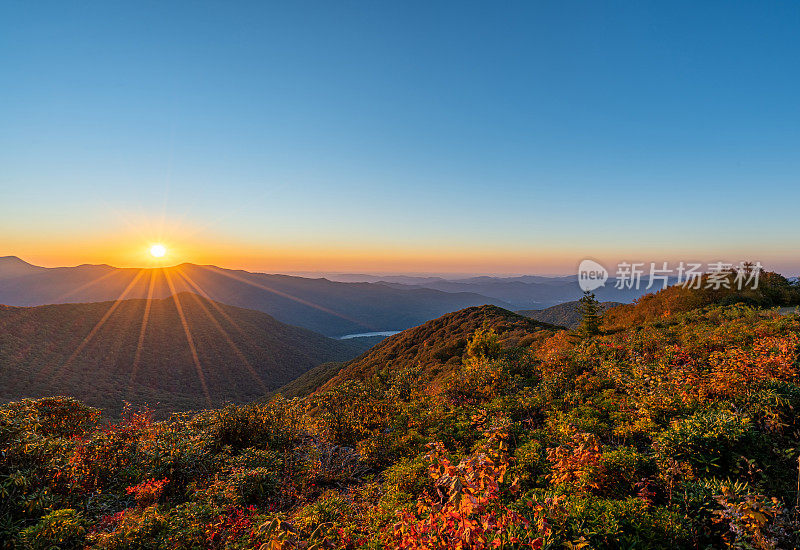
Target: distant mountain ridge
(11, 266)
(185, 352)
(431, 279)
(522, 291)
(324, 306)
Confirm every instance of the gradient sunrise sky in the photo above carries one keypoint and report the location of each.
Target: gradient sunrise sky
(480, 137)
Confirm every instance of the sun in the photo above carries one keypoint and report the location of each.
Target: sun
(158, 251)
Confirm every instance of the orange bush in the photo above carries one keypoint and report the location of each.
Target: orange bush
(465, 511)
(577, 462)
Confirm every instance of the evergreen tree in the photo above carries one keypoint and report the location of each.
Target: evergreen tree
(590, 310)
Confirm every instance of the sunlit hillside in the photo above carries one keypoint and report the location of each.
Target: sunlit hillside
(438, 348)
(679, 432)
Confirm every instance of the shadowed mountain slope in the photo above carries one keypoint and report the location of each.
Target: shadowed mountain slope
(192, 352)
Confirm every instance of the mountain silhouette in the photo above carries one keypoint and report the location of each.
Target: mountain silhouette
(331, 308)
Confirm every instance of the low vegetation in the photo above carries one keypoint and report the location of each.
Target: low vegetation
(676, 432)
(772, 290)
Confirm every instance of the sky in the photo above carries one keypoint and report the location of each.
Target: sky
(463, 137)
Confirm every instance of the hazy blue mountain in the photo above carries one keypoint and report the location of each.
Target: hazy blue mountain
(11, 266)
(329, 307)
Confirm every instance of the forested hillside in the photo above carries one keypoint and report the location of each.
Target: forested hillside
(677, 432)
(171, 354)
(438, 347)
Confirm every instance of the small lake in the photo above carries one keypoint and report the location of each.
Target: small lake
(368, 334)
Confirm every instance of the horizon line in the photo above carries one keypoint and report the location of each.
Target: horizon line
(307, 273)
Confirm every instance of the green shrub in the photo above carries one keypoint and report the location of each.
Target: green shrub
(405, 480)
(623, 470)
(243, 486)
(530, 463)
(60, 529)
(626, 523)
(710, 441)
(328, 508)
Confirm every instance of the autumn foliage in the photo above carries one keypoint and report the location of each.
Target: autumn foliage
(464, 509)
(677, 432)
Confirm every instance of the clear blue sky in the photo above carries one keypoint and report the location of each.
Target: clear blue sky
(507, 137)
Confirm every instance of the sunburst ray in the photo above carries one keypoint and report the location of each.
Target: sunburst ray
(28, 311)
(88, 338)
(195, 358)
(318, 307)
(197, 288)
(140, 343)
(251, 370)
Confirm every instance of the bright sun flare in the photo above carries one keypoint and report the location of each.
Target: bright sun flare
(158, 251)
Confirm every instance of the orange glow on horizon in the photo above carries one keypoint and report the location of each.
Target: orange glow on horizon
(279, 260)
(180, 245)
